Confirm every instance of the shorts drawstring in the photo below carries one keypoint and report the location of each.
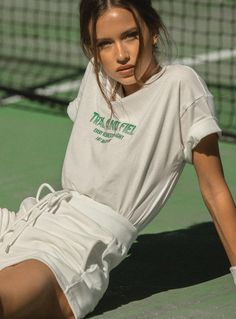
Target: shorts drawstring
(47, 204)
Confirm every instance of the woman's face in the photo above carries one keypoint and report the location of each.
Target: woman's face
(118, 46)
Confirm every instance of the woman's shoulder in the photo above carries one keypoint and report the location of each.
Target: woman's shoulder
(182, 72)
(187, 78)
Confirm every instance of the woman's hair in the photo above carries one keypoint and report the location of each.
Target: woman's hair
(91, 10)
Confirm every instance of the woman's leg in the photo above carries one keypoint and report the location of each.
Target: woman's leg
(30, 290)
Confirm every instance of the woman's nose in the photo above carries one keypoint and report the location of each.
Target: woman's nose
(122, 54)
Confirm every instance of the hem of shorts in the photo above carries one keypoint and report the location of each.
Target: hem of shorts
(74, 307)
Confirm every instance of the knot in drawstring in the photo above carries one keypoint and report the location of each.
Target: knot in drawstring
(53, 200)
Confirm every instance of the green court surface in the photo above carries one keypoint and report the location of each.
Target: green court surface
(177, 269)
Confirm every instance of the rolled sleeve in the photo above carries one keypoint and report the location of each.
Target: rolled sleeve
(197, 122)
(197, 133)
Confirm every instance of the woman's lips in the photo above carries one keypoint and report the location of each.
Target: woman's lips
(125, 70)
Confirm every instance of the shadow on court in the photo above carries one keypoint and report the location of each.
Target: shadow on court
(168, 260)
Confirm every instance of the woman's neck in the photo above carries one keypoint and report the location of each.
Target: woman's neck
(153, 68)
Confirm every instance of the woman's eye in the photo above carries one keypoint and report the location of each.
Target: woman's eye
(132, 35)
(103, 44)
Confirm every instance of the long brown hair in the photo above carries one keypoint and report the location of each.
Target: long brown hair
(91, 10)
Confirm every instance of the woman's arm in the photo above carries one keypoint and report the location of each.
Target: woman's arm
(215, 192)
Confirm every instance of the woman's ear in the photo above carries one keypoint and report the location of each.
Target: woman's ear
(155, 40)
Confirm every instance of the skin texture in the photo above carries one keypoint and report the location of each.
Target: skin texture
(30, 290)
(118, 45)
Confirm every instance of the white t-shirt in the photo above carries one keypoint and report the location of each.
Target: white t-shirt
(132, 162)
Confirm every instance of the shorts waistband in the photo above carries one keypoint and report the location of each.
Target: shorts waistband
(102, 214)
(105, 216)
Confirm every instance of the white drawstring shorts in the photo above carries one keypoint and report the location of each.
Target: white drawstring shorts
(78, 238)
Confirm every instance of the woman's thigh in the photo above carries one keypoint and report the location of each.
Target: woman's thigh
(30, 290)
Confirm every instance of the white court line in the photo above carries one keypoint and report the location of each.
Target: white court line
(57, 88)
(74, 85)
(11, 100)
(208, 57)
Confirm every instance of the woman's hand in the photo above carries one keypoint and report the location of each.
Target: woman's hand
(216, 194)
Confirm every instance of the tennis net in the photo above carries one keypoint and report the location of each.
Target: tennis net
(40, 56)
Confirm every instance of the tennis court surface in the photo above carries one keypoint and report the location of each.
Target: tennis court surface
(177, 269)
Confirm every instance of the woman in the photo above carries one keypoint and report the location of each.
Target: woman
(136, 124)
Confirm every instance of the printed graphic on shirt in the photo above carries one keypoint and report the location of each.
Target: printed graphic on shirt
(107, 129)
